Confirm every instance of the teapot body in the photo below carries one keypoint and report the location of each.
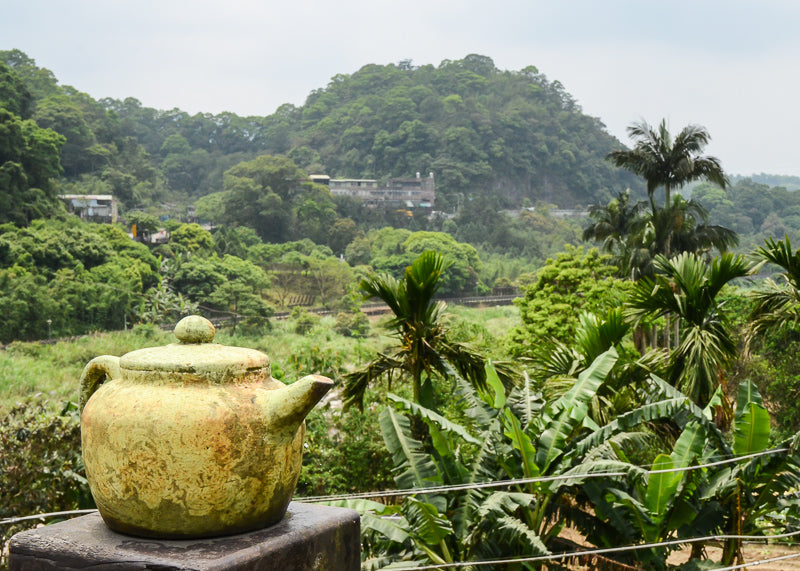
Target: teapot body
(184, 457)
(193, 439)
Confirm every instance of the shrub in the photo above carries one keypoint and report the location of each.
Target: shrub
(352, 324)
(41, 468)
(344, 454)
(304, 321)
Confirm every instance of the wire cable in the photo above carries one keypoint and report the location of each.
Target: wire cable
(584, 553)
(759, 562)
(17, 519)
(523, 481)
(454, 488)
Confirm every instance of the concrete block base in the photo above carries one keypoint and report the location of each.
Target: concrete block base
(310, 537)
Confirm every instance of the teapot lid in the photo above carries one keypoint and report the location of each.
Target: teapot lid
(196, 353)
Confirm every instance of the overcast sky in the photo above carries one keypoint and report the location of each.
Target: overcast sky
(730, 65)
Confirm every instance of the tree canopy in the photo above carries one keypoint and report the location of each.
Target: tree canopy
(512, 134)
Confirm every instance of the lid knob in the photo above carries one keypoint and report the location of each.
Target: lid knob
(194, 329)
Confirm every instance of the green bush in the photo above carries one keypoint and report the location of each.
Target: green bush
(41, 468)
(344, 453)
(304, 321)
(322, 351)
(352, 324)
(776, 372)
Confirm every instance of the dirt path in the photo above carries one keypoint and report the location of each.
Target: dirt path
(753, 554)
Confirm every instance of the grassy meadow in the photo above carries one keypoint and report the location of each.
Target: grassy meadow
(52, 371)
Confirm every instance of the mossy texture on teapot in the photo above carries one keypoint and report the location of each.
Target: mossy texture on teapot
(193, 439)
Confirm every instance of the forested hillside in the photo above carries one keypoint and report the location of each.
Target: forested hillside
(509, 135)
(494, 140)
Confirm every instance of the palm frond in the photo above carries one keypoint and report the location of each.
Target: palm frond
(780, 253)
(356, 383)
(777, 307)
(556, 359)
(696, 362)
(666, 161)
(595, 335)
(467, 362)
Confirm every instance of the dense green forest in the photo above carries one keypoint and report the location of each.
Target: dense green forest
(506, 149)
(482, 131)
(494, 140)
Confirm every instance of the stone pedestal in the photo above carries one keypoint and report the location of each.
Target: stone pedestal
(309, 537)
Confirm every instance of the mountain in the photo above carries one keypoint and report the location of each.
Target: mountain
(510, 137)
(513, 134)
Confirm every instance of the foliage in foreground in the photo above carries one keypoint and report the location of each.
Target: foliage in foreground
(590, 476)
(41, 468)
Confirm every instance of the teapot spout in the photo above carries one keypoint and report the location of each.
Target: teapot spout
(285, 414)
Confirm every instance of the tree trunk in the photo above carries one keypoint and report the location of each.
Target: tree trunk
(640, 339)
(732, 548)
(676, 332)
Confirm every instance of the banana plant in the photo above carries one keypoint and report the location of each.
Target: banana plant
(438, 528)
(640, 505)
(513, 436)
(659, 504)
(752, 489)
(576, 472)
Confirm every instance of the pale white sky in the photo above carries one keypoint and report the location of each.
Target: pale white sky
(730, 65)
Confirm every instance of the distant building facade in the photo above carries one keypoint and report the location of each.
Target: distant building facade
(92, 207)
(418, 192)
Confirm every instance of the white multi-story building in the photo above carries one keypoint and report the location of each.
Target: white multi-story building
(418, 192)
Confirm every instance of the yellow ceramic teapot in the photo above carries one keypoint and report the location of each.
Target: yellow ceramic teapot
(193, 439)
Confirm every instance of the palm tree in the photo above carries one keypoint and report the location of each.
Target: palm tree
(687, 287)
(683, 227)
(670, 163)
(618, 227)
(777, 305)
(678, 226)
(417, 324)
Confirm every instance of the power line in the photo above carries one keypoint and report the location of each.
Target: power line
(759, 562)
(523, 481)
(17, 519)
(455, 488)
(604, 551)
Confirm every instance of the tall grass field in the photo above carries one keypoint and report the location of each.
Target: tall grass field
(51, 371)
